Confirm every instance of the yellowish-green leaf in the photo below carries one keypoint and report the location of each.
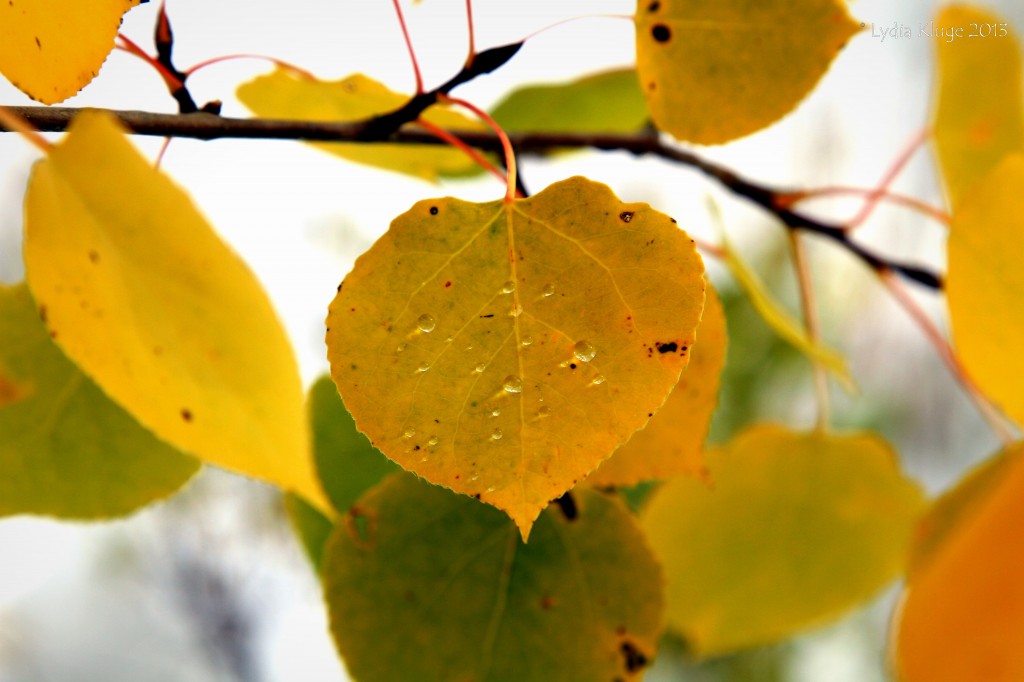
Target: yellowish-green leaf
(50, 50)
(66, 449)
(979, 112)
(605, 102)
(673, 442)
(347, 464)
(311, 527)
(781, 321)
(985, 283)
(284, 94)
(504, 350)
(715, 71)
(963, 614)
(148, 301)
(794, 529)
(425, 585)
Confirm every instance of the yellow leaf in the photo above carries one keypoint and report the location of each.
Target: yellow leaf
(673, 442)
(504, 349)
(715, 71)
(284, 94)
(963, 614)
(979, 112)
(66, 450)
(51, 49)
(794, 529)
(781, 321)
(985, 283)
(145, 298)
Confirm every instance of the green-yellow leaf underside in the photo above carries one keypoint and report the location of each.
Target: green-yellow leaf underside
(601, 103)
(66, 450)
(963, 614)
(284, 94)
(425, 585)
(148, 301)
(715, 71)
(673, 442)
(979, 111)
(793, 529)
(503, 350)
(985, 284)
(51, 49)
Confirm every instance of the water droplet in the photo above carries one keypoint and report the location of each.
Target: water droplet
(491, 488)
(401, 347)
(496, 434)
(543, 411)
(473, 477)
(409, 433)
(584, 351)
(426, 323)
(424, 366)
(495, 412)
(527, 341)
(449, 339)
(480, 368)
(598, 380)
(424, 458)
(433, 441)
(468, 348)
(563, 364)
(513, 384)
(508, 287)
(549, 290)
(516, 311)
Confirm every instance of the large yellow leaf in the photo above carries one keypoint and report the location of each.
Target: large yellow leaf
(673, 442)
(979, 112)
(284, 94)
(504, 349)
(51, 49)
(65, 449)
(426, 586)
(715, 71)
(963, 615)
(793, 529)
(145, 298)
(985, 284)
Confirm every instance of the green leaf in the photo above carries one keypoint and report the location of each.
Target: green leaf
(505, 349)
(985, 282)
(715, 71)
(793, 529)
(67, 450)
(602, 103)
(963, 612)
(146, 299)
(50, 50)
(979, 112)
(425, 585)
(285, 94)
(347, 464)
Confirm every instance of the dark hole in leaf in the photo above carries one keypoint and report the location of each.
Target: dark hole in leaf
(634, 658)
(661, 33)
(567, 505)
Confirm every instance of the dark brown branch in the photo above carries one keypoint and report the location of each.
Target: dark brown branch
(205, 126)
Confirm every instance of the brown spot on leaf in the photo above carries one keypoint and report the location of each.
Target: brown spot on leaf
(547, 602)
(186, 414)
(433, 210)
(661, 33)
(94, 256)
(38, 44)
(447, 284)
(626, 216)
(567, 505)
(633, 658)
(42, 314)
(670, 347)
(654, 6)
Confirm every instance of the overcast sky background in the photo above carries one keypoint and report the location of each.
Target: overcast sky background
(299, 217)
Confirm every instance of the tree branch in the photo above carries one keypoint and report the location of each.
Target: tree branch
(207, 126)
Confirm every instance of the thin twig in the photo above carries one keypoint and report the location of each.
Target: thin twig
(208, 126)
(812, 325)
